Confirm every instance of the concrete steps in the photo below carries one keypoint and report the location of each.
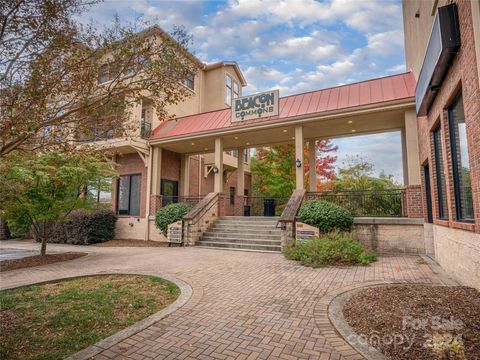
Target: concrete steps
(243, 233)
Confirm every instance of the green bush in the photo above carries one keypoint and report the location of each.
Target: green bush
(326, 216)
(84, 228)
(169, 214)
(333, 248)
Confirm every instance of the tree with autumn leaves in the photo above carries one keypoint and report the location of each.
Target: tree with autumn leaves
(63, 82)
(273, 168)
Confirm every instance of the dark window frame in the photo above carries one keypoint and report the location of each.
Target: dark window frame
(455, 164)
(439, 169)
(174, 198)
(128, 212)
(232, 195)
(428, 192)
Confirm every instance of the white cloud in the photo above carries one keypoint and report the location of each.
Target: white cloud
(397, 68)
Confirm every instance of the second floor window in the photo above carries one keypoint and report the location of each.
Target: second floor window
(190, 81)
(145, 125)
(228, 90)
(103, 74)
(236, 90)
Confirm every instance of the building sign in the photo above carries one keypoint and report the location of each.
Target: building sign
(306, 232)
(257, 106)
(174, 232)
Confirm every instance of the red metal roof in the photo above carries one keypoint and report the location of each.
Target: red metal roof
(375, 91)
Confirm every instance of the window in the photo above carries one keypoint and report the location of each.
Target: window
(232, 196)
(190, 81)
(169, 191)
(101, 192)
(461, 167)
(440, 175)
(103, 74)
(236, 90)
(128, 198)
(145, 125)
(228, 90)
(245, 156)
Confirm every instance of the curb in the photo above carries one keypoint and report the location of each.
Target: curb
(89, 352)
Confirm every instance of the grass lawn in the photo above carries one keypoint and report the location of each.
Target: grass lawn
(53, 321)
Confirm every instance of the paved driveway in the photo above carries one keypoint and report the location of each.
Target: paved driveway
(244, 305)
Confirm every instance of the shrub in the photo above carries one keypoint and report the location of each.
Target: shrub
(326, 216)
(333, 248)
(169, 214)
(84, 228)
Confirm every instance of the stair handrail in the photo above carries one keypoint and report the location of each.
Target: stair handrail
(192, 231)
(290, 212)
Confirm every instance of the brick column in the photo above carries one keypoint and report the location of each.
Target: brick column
(413, 201)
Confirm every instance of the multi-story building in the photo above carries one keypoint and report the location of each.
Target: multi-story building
(442, 44)
(183, 177)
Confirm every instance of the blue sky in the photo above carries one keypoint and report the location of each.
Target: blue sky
(291, 45)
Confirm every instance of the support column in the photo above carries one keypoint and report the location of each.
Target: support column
(299, 171)
(153, 185)
(218, 180)
(240, 172)
(411, 152)
(185, 175)
(156, 170)
(312, 179)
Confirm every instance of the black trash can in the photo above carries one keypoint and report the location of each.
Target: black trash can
(269, 207)
(246, 210)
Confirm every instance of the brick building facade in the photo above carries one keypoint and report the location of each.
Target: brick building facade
(445, 191)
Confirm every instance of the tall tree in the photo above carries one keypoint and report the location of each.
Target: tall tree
(357, 174)
(48, 186)
(273, 168)
(60, 78)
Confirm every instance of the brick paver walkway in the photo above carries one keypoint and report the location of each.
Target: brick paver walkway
(244, 305)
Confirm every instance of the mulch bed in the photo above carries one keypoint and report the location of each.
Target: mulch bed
(37, 260)
(418, 321)
(131, 243)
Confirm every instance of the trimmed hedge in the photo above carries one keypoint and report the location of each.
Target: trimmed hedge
(326, 216)
(169, 214)
(333, 248)
(83, 228)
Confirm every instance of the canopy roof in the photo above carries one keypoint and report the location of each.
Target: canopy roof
(362, 94)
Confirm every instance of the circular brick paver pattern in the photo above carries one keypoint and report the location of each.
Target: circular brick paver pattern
(244, 305)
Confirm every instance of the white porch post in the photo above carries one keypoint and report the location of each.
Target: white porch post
(185, 175)
(312, 159)
(299, 171)
(218, 181)
(240, 172)
(410, 153)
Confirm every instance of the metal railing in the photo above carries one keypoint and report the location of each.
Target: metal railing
(265, 205)
(365, 203)
(191, 200)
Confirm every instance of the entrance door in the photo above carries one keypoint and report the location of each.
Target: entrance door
(428, 193)
(169, 191)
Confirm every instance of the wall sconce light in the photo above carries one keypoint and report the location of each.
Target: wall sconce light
(298, 163)
(215, 169)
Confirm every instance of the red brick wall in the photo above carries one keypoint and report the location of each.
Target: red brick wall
(170, 165)
(414, 203)
(230, 179)
(129, 164)
(461, 75)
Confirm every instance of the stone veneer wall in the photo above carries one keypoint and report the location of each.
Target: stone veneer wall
(391, 235)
